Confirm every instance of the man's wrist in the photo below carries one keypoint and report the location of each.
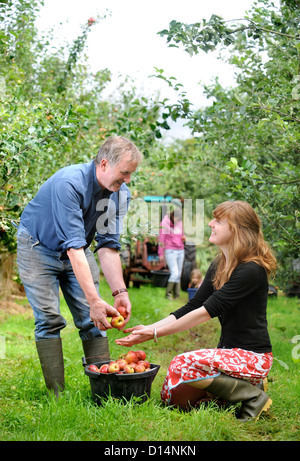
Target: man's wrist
(119, 291)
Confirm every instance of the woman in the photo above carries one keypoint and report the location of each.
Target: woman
(235, 290)
(171, 247)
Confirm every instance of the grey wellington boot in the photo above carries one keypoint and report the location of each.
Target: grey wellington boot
(169, 290)
(51, 359)
(233, 390)
(96, 349)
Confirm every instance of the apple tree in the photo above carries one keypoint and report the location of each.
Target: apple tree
(252, 130)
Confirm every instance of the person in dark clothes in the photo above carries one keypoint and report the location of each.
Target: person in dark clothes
(235, 289)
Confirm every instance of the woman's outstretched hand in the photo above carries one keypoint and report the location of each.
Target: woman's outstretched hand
(138, 334)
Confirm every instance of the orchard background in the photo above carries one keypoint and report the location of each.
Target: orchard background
(245, 143)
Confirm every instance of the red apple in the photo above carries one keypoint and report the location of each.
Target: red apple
(129, 369)
(141, 355)
(123, 311)
(147, 364)
(118, 321)
(113, 367)
(139, 368)
(131, 357)
(104, 368)
(93, 367)
(91, 21)
(122, 363)
(144, 363)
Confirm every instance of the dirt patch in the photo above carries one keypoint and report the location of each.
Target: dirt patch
(13, 305)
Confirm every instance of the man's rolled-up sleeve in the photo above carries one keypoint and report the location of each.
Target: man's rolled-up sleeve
(67, 216)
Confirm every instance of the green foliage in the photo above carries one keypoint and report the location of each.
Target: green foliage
(52, 112)
(251, 132)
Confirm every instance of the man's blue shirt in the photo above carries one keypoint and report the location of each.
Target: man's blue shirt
(71, 209)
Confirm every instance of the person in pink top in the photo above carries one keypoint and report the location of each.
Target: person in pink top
(171, 247)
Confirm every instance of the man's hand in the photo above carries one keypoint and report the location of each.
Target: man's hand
(99, 311)
(122, 299)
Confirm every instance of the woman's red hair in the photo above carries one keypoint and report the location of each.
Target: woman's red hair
(247, 243)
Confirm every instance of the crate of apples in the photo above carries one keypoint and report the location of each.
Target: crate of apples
(130, 375)
(132, 362)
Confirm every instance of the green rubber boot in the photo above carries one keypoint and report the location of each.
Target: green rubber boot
(52, 363)
(96, 350)
(233, 390)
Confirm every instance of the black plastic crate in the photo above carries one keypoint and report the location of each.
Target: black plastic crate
(122, 386)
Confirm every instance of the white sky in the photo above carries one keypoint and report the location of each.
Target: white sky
(127, 43)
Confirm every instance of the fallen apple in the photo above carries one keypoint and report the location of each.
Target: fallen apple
(118, 322)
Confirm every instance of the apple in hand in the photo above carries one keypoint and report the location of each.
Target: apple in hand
(122, 310)
(113, 367)
(118, 322)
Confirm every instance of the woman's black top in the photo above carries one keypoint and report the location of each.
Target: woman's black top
(240, 305)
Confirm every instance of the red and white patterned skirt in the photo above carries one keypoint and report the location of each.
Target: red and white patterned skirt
(209, 363)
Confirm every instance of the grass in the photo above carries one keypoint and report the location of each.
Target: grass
(27, 413)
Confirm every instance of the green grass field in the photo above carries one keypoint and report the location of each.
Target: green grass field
(27, 413)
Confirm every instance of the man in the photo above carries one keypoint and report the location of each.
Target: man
(74, 206)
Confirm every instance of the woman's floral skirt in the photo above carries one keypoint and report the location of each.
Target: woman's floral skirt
(209, 363)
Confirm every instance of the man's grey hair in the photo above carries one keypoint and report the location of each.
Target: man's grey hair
(115, 147)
